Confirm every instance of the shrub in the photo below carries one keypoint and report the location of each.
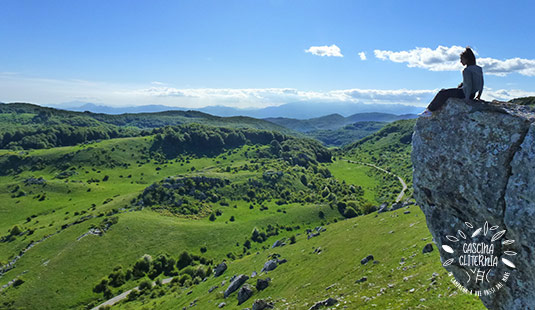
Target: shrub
(142, 266)
(367, 208)
(350, 212)
(132, 295)
(200, 272)
(212, 217)
(292, 239)
(188, 270)
(15, 231)
(102, 286)
(184, 260)
(117, 278)
(184, 278)
(145, 285)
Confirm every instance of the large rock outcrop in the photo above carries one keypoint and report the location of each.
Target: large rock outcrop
(474, 178)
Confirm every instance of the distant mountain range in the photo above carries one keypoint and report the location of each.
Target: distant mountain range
(296, 110)
(335, 121)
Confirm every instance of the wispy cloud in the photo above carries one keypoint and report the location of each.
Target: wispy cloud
(276, 96)
(506, 94)
(362, 56)
(330, 51)
(50, 91)
(447, 59)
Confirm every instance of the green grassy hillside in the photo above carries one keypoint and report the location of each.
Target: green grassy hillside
(347, 134)
(388, 148)
(329, 266)
(83, 223)
(54, 196)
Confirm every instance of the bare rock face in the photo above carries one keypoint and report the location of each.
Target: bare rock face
(474, 178)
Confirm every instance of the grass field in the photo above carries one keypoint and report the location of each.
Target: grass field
(61, 193)
(60, 272)
(357, 174)
(308, 277)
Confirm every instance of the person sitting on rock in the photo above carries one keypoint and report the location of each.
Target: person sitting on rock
(472, 84)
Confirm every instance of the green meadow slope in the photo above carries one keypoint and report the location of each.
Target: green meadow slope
(83, 223)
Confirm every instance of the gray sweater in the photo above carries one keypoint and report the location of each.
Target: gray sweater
(472, 81)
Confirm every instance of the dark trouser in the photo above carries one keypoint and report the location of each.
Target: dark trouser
(443, 95)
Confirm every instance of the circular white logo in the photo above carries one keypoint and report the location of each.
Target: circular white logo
(474, 250)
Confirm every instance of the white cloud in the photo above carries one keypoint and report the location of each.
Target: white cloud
(262, 97)
(16, 88)
(440, 59)
(504, 67)
(157, 83)
(362, 56)
(325, 50)
(505, 94)
(447, 59)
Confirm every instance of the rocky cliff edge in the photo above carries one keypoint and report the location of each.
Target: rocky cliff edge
(474, 178)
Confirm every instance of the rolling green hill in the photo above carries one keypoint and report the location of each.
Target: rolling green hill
(29, 126)
(83, 223)
(347, 134)
(335, 121)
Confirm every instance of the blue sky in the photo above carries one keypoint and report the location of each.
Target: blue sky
(254, 53)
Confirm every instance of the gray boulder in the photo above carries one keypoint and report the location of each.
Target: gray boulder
(234, 285)
(427, 248)
(324, 303)
(276, 244)
(261, 304)
(363, 279)
(220, 269)
(395, 206)
(244, 293)
(383, 208)
(474, 172)
(269, 265)
(262, 284)
(211, 289)
(366, 259)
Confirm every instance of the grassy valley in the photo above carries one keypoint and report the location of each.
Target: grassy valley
(85, 222)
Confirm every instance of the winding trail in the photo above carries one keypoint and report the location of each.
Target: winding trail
(118, 298)
(403, 184)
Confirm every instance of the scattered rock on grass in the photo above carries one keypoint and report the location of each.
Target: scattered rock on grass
(262, 283)
(269, 265)
(324, 303)
(261, 304)
(245, 292)
(366, 259)
(220, 269)
(234, 285)
(427, 248)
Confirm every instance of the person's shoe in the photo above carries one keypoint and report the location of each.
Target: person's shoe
(426, 113)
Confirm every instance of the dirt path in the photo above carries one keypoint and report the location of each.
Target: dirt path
(403, 184)
(118, 298)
